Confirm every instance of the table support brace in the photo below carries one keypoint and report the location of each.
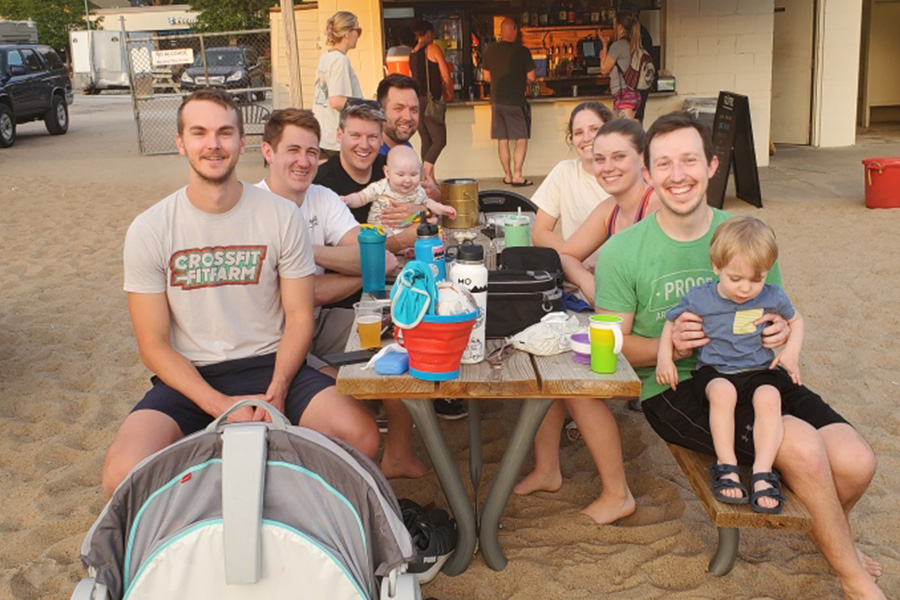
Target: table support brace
(726, 552)
(475, 453)
(422, 412)
(533, 412)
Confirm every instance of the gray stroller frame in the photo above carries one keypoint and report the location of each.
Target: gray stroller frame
(223, 496)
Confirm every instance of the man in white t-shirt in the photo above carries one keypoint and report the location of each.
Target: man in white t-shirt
(291, 149)
(220, 292)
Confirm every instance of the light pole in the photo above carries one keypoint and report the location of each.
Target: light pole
(87, 19)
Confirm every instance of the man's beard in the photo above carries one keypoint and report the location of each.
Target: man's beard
(395, 136)
(219, 180)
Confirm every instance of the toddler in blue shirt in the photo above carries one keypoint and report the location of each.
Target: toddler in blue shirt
(734, 368)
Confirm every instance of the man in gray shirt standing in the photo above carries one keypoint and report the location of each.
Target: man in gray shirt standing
(509, 68)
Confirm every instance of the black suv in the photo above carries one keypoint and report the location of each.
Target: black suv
(34, 84)
(234, 67)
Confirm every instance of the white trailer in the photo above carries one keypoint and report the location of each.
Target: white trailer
(99, 61)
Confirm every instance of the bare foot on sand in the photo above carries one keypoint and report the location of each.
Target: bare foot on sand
(607, 509)
(410, 468)
(539, 482)
(863, 589)
(872, 566)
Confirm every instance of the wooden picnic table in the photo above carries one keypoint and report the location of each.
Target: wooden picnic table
(534, 381)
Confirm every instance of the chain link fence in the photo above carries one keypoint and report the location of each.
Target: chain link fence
(163, 69)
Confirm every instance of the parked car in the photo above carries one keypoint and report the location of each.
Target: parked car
(34, 85)
(230, 68)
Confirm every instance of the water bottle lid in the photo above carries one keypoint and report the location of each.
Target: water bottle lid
(470, 252)
(371, 234)
(427, 229)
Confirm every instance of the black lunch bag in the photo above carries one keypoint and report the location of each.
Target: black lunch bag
(519, 298)
(533, 258)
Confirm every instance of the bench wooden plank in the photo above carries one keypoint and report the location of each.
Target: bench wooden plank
(695, 466)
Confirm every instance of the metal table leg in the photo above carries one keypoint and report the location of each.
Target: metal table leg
(723, 560)
(422, 412)
(533, 412)
(475, 452)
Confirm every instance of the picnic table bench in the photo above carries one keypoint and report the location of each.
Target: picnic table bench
(730, 518)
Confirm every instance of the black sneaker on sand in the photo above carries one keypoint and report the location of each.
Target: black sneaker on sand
(450, 409)
(434, 537)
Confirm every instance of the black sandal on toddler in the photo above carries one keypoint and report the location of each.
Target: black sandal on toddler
(719, 483)
(772, 479)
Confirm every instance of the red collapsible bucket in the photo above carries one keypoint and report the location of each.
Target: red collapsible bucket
(436, 344)
(882, 182)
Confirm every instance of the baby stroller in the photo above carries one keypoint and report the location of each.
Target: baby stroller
(250, 510)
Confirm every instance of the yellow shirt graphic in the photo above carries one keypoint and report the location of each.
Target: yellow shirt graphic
(743, 321)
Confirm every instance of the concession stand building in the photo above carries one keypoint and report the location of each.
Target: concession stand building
(798, 61)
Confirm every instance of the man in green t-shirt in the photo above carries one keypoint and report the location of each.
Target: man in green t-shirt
(509, 68)
(644, 270)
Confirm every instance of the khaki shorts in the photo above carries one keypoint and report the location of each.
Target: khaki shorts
(332, 329)
(510, 122)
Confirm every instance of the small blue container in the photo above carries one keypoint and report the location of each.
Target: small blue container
(371, 257)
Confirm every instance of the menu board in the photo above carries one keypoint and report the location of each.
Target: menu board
(732, 139)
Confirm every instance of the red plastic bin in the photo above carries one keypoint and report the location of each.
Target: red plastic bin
(436, 345)
(882, 182)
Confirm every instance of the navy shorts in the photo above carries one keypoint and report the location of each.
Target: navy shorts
(681, 416)
(240, 377)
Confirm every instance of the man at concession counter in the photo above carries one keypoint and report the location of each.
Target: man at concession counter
(509, 68)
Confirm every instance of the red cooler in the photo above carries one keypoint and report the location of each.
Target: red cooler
(882, 182)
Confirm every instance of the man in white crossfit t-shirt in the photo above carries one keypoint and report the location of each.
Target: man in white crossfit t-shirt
(219, 278)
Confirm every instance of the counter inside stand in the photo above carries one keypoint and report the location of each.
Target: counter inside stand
(471, 152)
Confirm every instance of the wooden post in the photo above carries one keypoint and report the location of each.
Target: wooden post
(293, 52)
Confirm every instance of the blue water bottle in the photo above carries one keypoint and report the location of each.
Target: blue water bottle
(429, 248)
(371, 257)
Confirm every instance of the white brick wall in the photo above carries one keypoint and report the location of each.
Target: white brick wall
(716, 45)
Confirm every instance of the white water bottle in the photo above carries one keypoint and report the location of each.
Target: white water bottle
(469, 270)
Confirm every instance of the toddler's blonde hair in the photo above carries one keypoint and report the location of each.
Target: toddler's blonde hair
(748, 237)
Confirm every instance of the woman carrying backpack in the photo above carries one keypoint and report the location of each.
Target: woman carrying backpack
(616, 59)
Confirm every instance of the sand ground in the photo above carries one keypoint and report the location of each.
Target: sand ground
(70, 372)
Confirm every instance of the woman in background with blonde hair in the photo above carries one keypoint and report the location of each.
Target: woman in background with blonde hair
(335, 79)
(615, 60)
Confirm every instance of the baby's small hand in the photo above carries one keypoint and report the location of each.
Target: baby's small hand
(450, 212)
(345, 200)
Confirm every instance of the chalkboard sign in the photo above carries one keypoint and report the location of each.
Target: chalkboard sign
(732, 139)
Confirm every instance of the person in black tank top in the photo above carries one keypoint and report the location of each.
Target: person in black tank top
(430, 70)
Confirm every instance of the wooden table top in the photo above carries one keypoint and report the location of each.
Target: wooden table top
(521, 375)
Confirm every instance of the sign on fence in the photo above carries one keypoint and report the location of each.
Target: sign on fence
(176, 56)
